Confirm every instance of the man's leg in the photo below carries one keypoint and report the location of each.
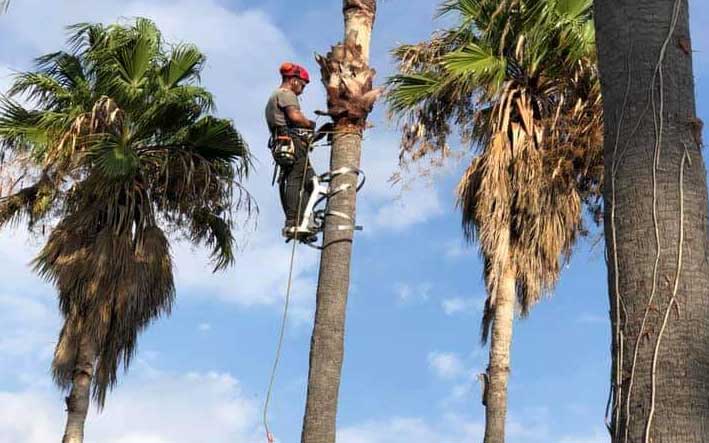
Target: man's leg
(299, 177)
(282, 186)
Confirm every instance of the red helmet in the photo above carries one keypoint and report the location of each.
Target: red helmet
(292, 70)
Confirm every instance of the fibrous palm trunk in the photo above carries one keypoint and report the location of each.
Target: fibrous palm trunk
(655, 223)
(79, 398)
(348, 80)
(498, 372)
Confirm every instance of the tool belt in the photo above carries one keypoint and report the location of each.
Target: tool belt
(283, 147)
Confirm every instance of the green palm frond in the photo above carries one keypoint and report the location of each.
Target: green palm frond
(66, 69)
(20, 129)
(113, 156)
(40, 87)
(184, 64)
(133, 63)
(477, 62)
(409, 90)
(472, 13)
(216, 139)
(573, 9)
(213, 231)
(85, 36)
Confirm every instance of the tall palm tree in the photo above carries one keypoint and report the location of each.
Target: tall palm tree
(350, 97)
(516, 80)
(123, 151)
(655, 223)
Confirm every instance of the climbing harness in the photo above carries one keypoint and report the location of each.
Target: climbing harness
(312, 221)
(283, 147)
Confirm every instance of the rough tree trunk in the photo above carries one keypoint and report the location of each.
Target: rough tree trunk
(655, 194)
(348, 80)
(79, 398)
(498, 371)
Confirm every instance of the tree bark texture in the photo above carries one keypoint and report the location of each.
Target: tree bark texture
(655, 223)
(348, 80)
(499, 370)
(79, 397)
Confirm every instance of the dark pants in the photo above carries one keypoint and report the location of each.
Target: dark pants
(292, 179)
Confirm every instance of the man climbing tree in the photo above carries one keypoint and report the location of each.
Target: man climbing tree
(289, 142)
(350, 98)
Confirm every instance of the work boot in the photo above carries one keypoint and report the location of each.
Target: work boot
(291, 232)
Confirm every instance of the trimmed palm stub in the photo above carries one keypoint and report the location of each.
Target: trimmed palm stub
(517, 80)
(348, 80)
(123, 150)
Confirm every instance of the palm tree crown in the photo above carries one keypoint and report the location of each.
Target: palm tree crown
(517, 80)
(124, 148)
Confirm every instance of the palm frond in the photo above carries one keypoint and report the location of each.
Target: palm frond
(409, 90)
(217, 139)
(213, 231)
(477, 62)
(184, 64)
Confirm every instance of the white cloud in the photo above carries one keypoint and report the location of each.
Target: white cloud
(454, 428)
(18, 425)
(417, 205)
(384, 206)
(154, 408)
(600, 436)
(204, 327)
(396, 430)
(446, 365)
(5, 78)
(27, 323)
(457, 305)
(409, 293)
(449, 428)
(29, 319)
(455, 249)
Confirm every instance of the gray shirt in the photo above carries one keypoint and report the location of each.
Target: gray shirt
(276, 106)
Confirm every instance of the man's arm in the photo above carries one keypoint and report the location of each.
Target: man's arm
(297, 118)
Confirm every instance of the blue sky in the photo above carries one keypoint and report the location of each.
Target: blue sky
(412, 347)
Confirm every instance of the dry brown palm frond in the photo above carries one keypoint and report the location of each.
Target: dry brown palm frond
(32, 202)
(111, 285)
(521, 198)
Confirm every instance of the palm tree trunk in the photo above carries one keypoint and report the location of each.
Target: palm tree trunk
(655, 223)
(79, 398)
(327, 344)
(499, 366)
